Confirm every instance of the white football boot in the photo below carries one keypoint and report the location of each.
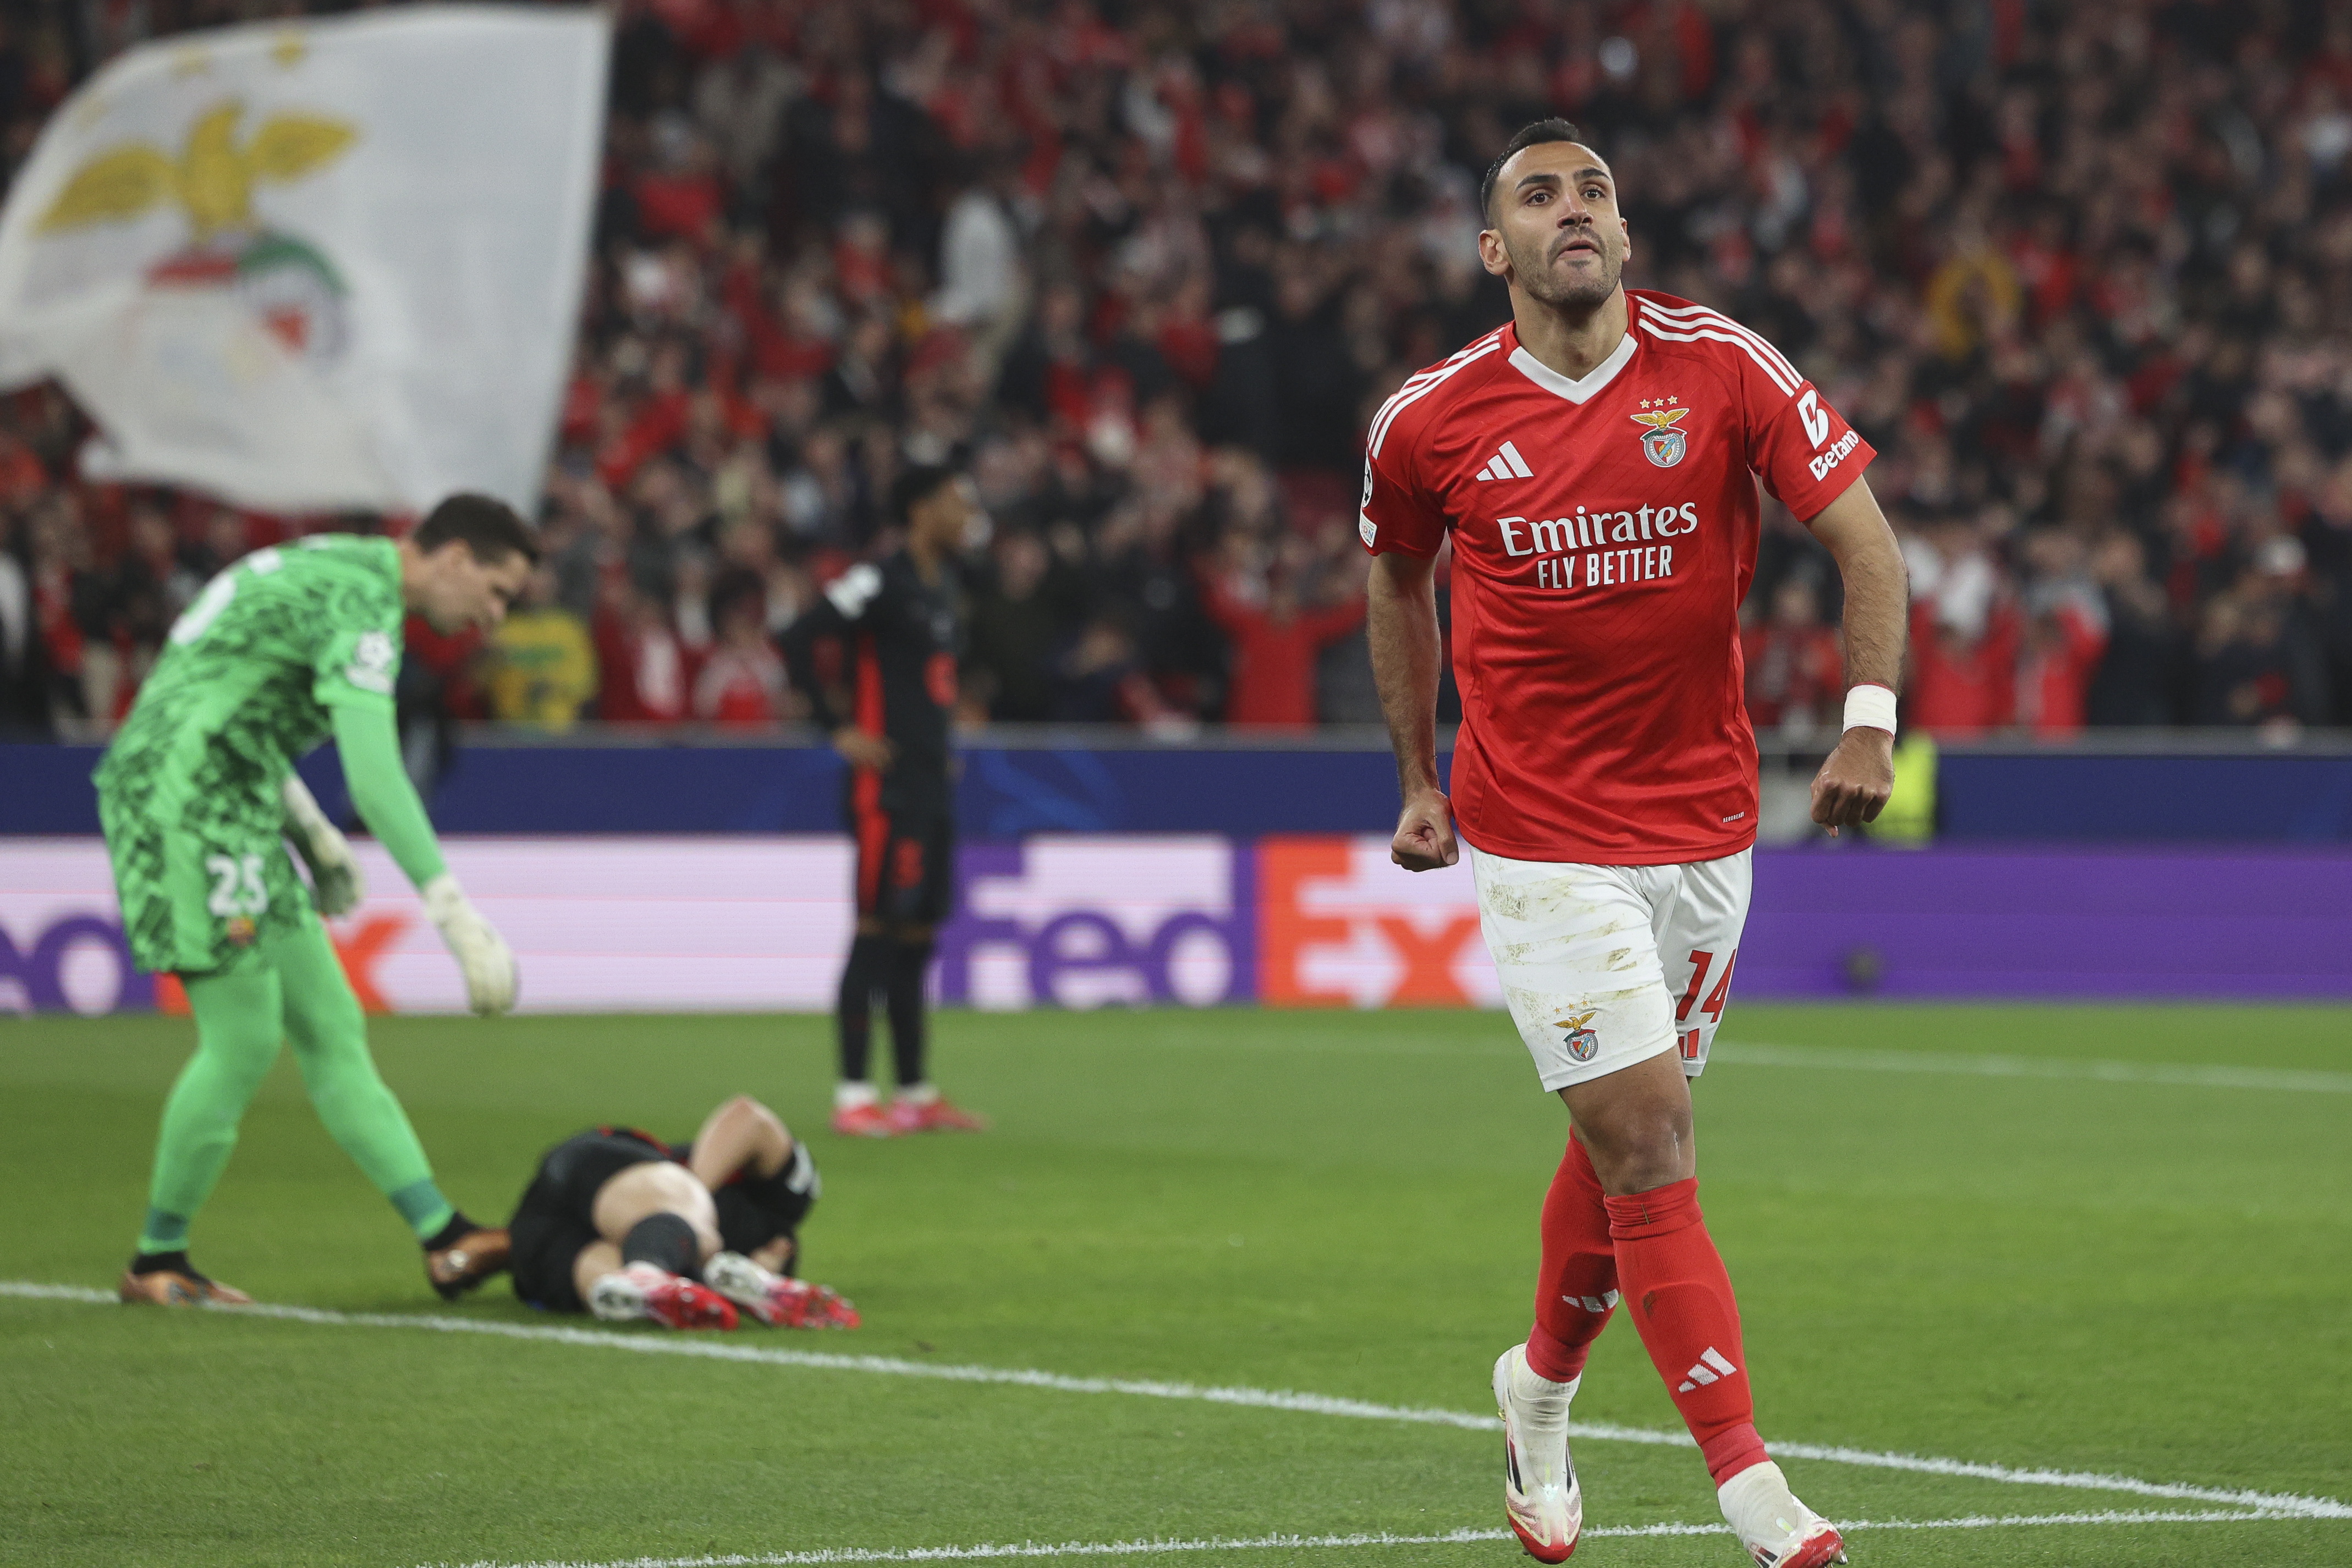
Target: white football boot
(643, 1290)
(1777, 1530)
(1540, 1497)
(778, 1301)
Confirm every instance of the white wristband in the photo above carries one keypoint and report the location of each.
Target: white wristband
(1870, 707)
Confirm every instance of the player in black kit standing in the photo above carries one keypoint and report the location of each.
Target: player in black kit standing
(899, 633)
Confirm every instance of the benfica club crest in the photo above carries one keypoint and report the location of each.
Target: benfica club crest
(1661, 444)
(1584, 1042)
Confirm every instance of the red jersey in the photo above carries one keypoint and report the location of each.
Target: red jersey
(1604, 532)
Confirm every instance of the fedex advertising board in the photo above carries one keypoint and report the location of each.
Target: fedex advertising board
(759, 924)
(1084, 921)
(756, 924)
(597, 925)
(1341, 925)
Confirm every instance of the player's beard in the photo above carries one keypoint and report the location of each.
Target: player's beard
(1584, 291)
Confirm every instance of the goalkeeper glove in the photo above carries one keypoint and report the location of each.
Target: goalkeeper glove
(481, 953)
(334, 874)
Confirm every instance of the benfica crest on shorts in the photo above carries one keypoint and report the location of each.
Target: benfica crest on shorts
(1583, 1043)
(1661, 444)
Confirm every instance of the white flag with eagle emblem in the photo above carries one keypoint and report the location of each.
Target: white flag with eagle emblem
(317, 264)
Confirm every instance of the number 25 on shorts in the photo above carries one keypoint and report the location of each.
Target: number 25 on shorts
(238, 887)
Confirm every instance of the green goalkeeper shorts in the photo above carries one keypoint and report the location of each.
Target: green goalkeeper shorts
(199, 894)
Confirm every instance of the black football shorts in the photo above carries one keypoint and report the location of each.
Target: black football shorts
(556, 1217)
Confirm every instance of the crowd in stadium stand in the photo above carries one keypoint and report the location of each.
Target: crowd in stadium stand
(2082, 274)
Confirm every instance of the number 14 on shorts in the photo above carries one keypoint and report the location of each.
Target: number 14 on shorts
(1690, 1040)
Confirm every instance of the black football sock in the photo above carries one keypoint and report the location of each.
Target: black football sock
(163, 1263)
(788, 1193)
(911, 962)
(664, 1240)
(853, 1010)
(449, 1234)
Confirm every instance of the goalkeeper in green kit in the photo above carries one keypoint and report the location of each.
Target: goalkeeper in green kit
(198, 795)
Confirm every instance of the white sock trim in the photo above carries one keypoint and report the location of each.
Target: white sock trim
(618, 1297)
(853, 1094)
(1530, 1384)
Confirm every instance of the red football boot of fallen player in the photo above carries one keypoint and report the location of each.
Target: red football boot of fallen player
(774, 1299)
(643, 1290)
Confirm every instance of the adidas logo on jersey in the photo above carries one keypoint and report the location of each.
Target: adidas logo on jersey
(1713, 1367)
(1507, 465)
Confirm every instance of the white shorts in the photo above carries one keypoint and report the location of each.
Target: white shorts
(1606, 966)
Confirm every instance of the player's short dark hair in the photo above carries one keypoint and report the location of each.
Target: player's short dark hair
(918, 484)
(486, 525)
(1531, 135)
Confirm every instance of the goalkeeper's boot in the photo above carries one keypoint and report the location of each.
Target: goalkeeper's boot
(1777, 1530)
(168, 1279)
(778, 1301)
(919, 1113)
(466, 1258)
(643, 1290)
(1540, 1495)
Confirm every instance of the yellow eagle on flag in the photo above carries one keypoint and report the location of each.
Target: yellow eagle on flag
(213, 178)
(293, 290)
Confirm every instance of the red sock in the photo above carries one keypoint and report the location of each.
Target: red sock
(1682, 1304)
(1576, 1288)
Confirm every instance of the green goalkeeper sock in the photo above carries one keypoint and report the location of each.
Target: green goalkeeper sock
(238, 1025)
(330, 1041)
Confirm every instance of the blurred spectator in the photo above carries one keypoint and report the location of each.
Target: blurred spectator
(1098, 680)
(980, 264)
(743, 679)
(2082, 274)
(1020, 617)
(643, 662)
(1796, 667)
(24, 672)
(2064, 633)
(2254, 666)
(1965, 632)
(1276, 640)
(540, 665)
(2140, 677)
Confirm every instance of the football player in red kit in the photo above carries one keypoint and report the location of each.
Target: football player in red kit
(1594, 464)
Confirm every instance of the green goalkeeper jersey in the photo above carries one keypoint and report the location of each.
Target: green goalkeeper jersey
(191, 791)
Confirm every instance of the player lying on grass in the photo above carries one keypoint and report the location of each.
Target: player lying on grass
(617, 1223)
(198, 797)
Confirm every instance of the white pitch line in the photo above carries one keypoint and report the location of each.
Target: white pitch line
(712, 1348)
(1968, 1064)
(1959, 1064)
(1297, 1543)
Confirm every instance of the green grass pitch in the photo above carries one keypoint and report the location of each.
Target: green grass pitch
(2143, 1273)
